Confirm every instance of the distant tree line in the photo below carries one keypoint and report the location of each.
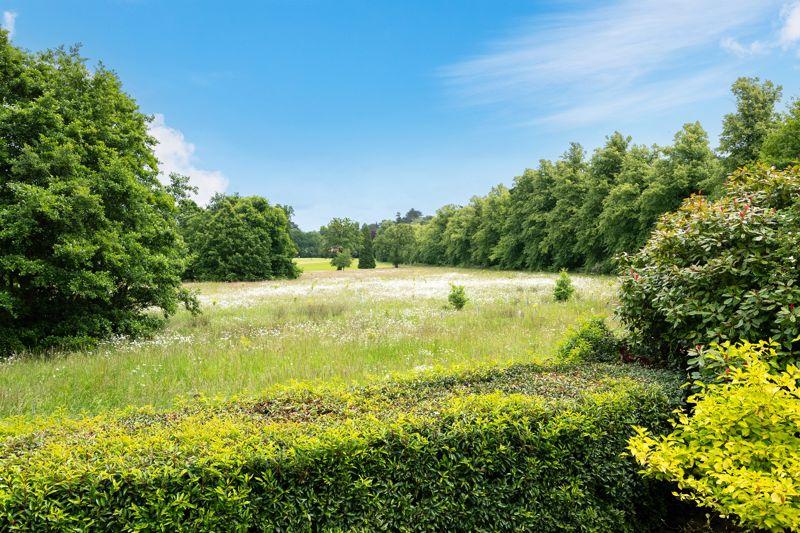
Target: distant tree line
(581, 212)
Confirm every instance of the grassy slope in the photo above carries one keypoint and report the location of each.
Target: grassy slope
(326, 326)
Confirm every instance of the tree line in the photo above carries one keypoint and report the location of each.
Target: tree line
(582, 211)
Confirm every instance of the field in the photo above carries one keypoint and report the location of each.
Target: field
(317, 264)
(330, 326)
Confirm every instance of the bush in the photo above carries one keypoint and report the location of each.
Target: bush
(593, 341)
(516, 448)
(564, 289)
(457, 297)
(88, 238)
(342, 260)
(718, 271)
(739, 454)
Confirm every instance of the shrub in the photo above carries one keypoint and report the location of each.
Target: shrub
(342, 260)
(739, 454)
(88, 238)
(516, 448)
(457, 297)
(593, 341)
(717, 271)
(564, 289)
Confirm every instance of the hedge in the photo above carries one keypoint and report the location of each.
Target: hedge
(520, 447)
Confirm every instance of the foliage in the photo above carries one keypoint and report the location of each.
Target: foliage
(308, 243)
(593, 341)
(395, 243)
(574, 213)
(744, 132)
(341, 234)
(240, 238)
(509, 448)
(563, 289)
(723, 270)
(366, 258)
(342, 260)
(457, 297)
(412, 215)
(782, 145)
(739, 452)
(88, 239)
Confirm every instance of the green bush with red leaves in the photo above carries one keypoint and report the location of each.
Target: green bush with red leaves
(720, 271)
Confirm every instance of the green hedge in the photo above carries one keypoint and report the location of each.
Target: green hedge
(494, 448)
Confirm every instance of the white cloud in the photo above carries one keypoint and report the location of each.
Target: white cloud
(176, 154)
(607, 58)
(790, 31)
(736, 48)
(9, 20)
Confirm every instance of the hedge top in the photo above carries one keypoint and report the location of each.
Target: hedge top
(286, 416)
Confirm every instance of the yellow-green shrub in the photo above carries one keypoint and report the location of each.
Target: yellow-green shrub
(593, 341)
(739, 453)
(516, 448)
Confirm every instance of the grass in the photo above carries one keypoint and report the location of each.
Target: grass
(317, 264)
(345, 326)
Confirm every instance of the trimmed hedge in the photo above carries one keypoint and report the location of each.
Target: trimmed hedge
(523, 447)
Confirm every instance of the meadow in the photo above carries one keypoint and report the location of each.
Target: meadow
(351, 326)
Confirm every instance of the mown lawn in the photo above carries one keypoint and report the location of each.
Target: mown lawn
(317, 264)
(327, 325)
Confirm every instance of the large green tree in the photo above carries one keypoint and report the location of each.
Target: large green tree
(395, 242)
(88, 238)
(367, 257)
(241, 239)
(782, 145)
(744, 132)
(341, 234)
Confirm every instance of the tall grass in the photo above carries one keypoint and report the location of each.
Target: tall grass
(354, 329)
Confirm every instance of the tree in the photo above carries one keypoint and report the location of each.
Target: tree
(341, 234)
(604, 169)
(431, 248)
(395, 243)
(490, 225)
(242, 239)
(412, 215)
(744, 132)
(342, 260)
(782, 145)
(88, 236)
(621, 222)
(366, 258)
(531, 199)
(458, 234)
(561, 223)
(308, 243)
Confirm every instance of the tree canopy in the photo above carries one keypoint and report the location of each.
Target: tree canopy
(88, 234)
(341, 234)
(240, 238)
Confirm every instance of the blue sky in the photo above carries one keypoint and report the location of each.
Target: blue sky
(364, 108)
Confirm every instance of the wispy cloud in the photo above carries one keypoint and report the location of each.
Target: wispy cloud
(632, 56)
(176, 154)
(9, 21)
(790, 31)
(736, 48)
